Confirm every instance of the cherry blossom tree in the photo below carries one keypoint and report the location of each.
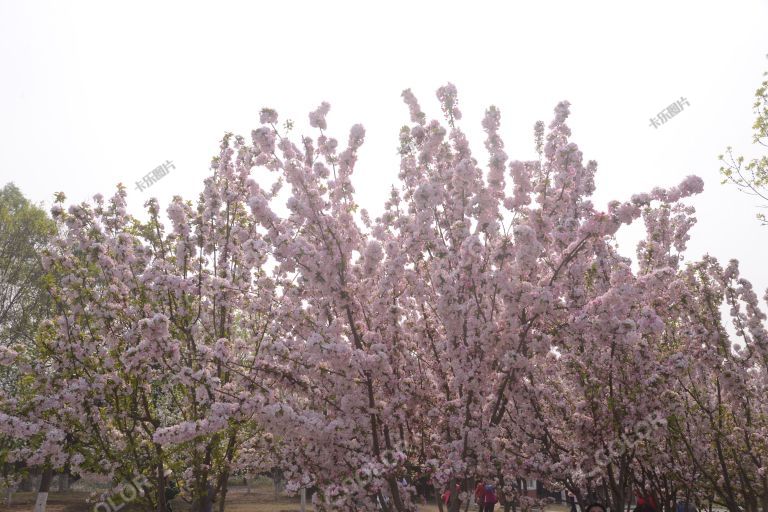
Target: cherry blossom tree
(348, 383)
(522, 290)
(403, 341)
(719, 423)
(596, 413)
(149, 322)
(484, 327)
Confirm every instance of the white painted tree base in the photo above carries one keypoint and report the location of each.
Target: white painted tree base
(42, 499)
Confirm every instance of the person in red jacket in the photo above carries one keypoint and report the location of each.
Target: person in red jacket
(447, 494)
(646, 502)
(480, 496)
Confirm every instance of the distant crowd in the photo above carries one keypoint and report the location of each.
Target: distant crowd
(485, 496)
(644, 503)
(486, 500)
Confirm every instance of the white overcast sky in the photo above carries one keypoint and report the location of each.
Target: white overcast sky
(96, 93)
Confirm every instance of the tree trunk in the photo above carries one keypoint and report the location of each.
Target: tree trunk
(162, 505)
(204, 501)
(64, 481)
(27, 482)
(470, 488)
(223, 481)
(208, 500)
(765, 500)
(277, 481)
(42, 493)
(303, 500)
(397, 500)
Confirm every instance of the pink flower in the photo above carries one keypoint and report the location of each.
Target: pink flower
(417, 116)
(267, 116)
(317, 117)
(449, 101)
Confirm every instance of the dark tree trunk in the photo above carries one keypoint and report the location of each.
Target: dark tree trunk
(27, 483)
(162, 504)
(64, 481)
(204, 502)
(208, 500)
(222, 494)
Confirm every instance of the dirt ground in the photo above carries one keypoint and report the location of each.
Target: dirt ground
(260, 499)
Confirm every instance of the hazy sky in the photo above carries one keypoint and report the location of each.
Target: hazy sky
(96, 93)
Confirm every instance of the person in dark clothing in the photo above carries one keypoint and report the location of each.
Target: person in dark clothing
(596, 507)
(171, 491)
(571, 500)
(685, 506)
(489, 498)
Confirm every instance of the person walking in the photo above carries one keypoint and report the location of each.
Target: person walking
(571, 500)
(480, 496)
(171, 491)
(447, 494)
(489, 498)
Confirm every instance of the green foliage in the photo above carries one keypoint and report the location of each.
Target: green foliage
(24, 230)
(24, 299)
(752, 177)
